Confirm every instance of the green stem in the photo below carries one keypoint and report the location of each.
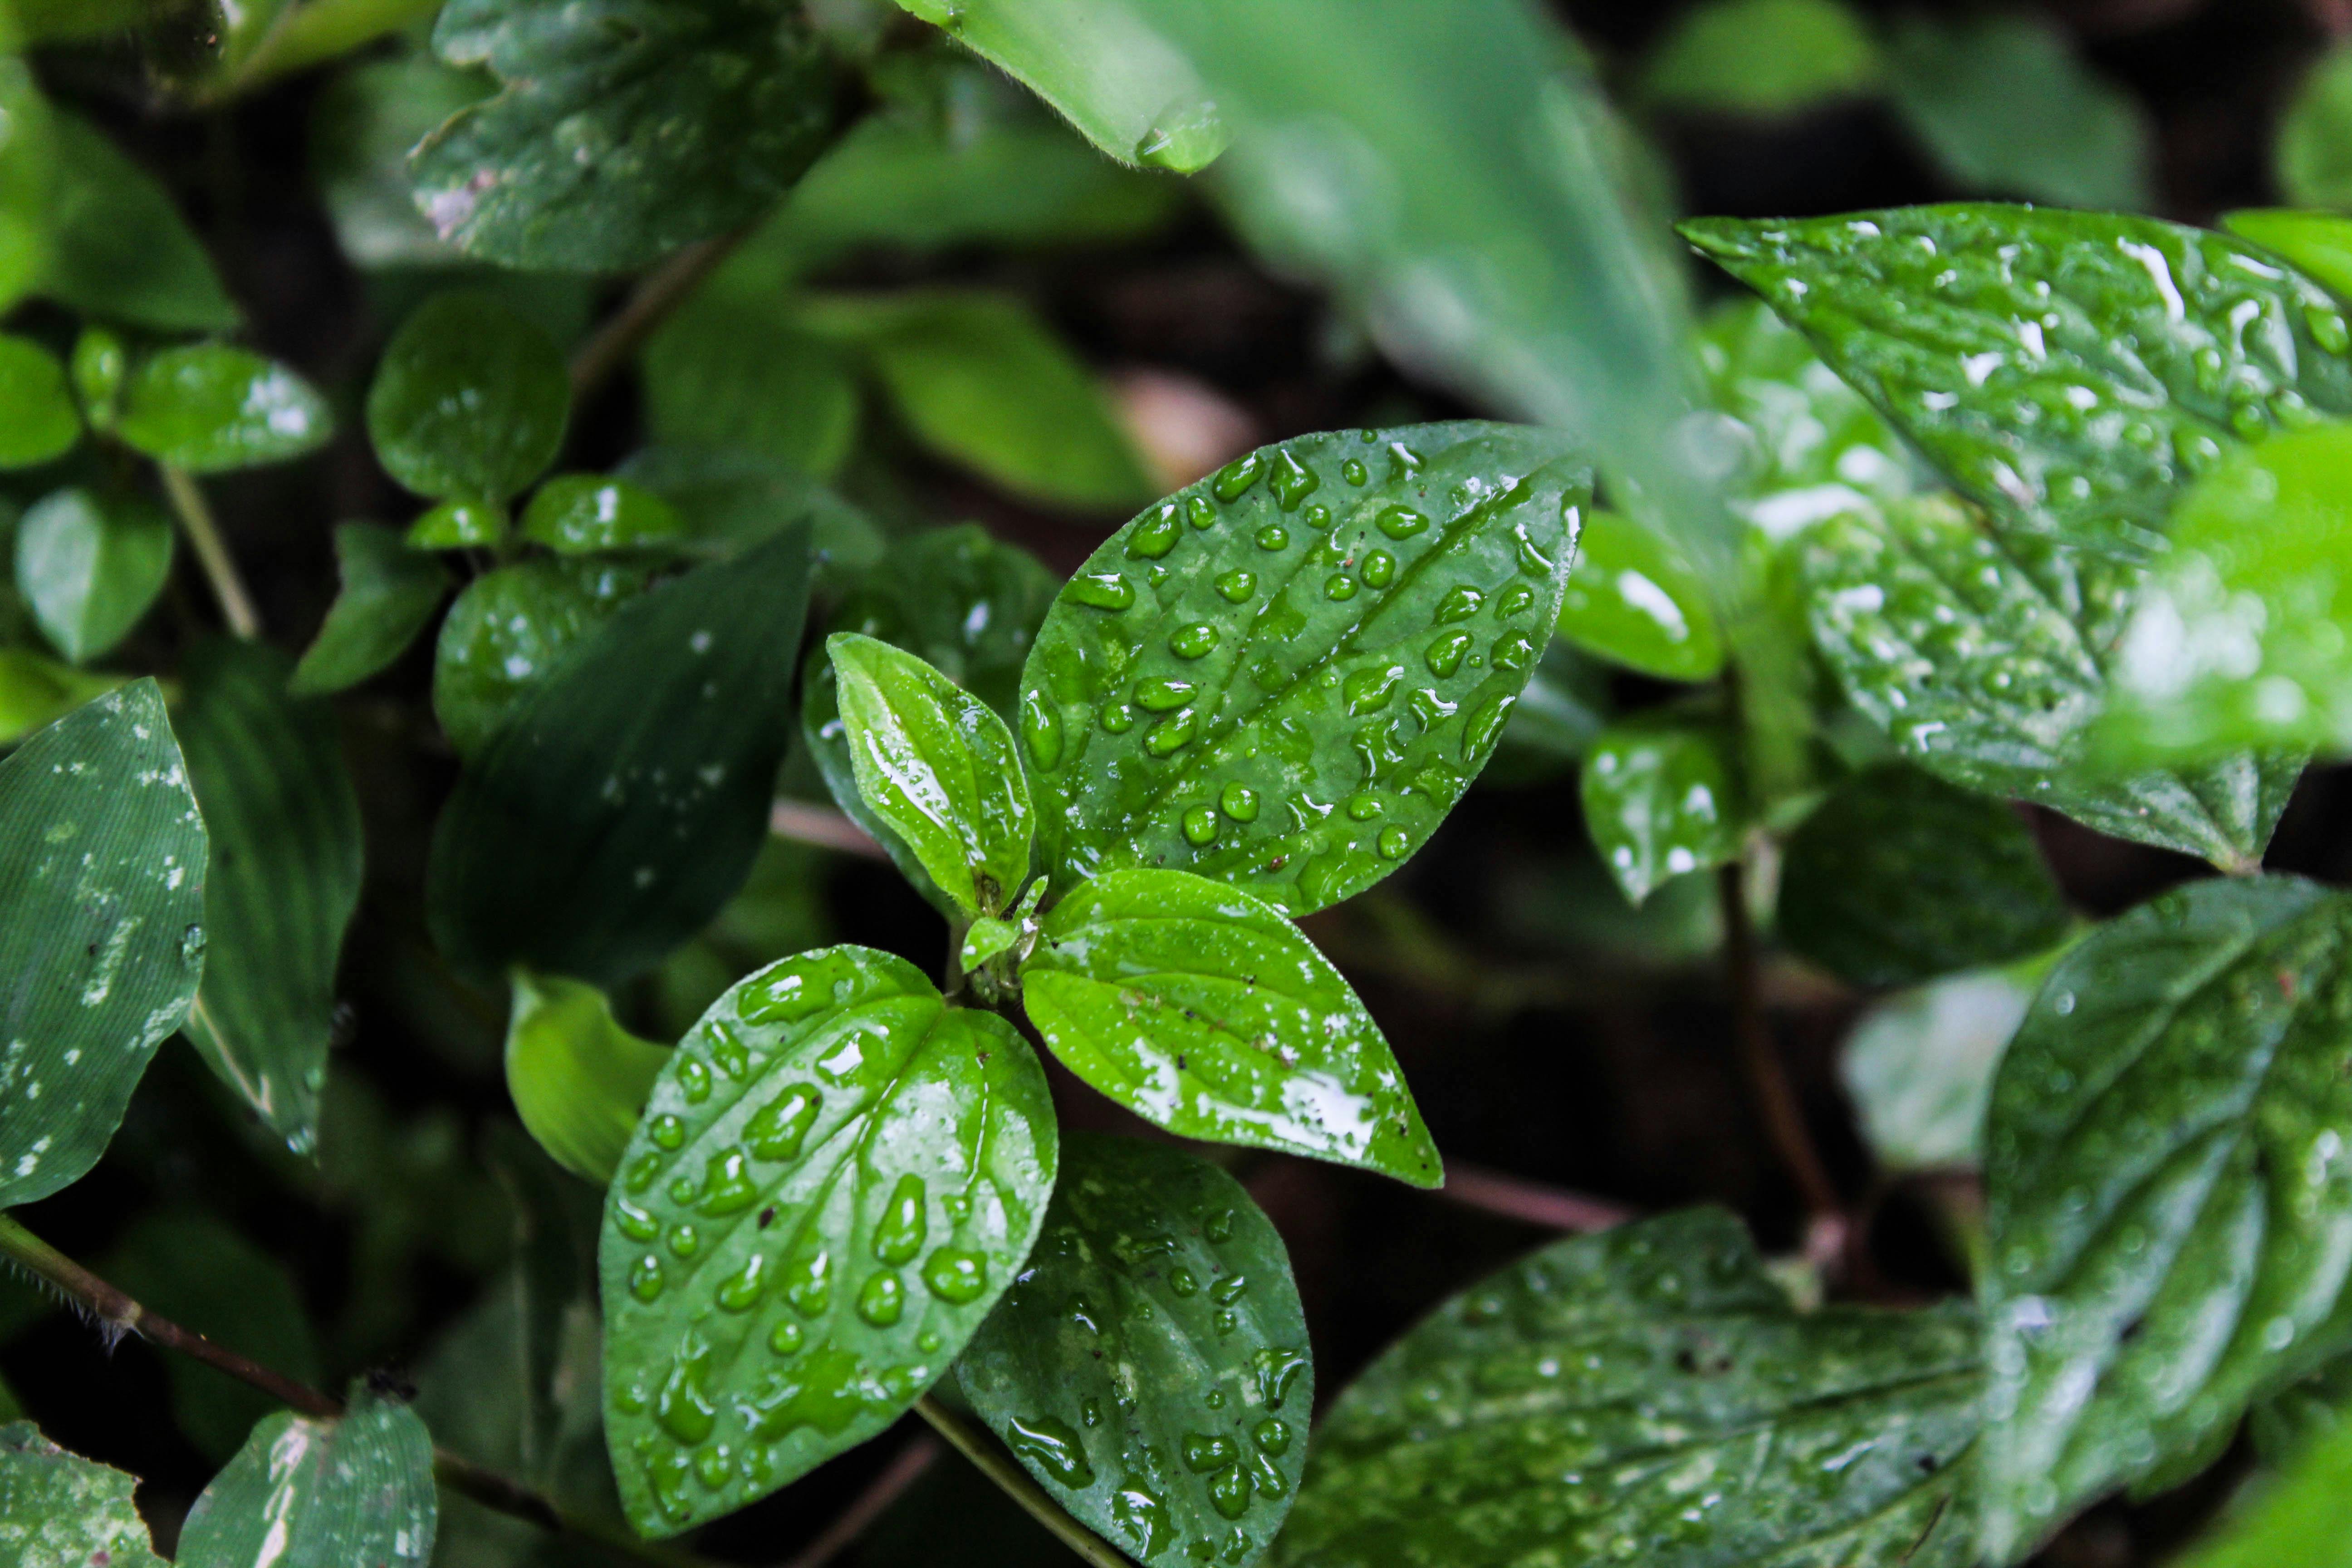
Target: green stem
(211, 551)
(662, 291)
(975, 1444)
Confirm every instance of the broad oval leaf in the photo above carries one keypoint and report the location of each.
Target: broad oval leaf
(1898, 876)
(470, 400)
(578, 1079)
(1204, 1010)
(1661, 799)
(210, 408)
(1648, 1394)
(1284, 676)
(90, 566)
(937, 767)
(388, 592)
(511, 628)
(1149, 1367)
(1629, 600)
(588, 838)
(119, 250)
(837, 1176)
(578, 514)
(60, 1507)
(38, 419)
(305, 1492)
(102, 858)
(268, 773)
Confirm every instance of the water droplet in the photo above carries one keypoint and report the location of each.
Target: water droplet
(1236, 585)
(1219, 1226)
(1239, 801)
(786, 995)
(2328, 329)
(1354, 471)
(1117, 717)
(808, 1282)
(1515, 600)
(898, 1236)
(740, 1291)
(1182, 1282)
(1363, 805)
(1338, 585)
(955, 1276)
(1157, 535)
(1445, 651)
(1225, 1322)
(1400, 522)
(1273, 1434)
(693, 1081)
(1277, 1371)
(883, 1298)
(727, 1050)
(645, 1281)
(1193, 641)
(1292, 481)
(682, 1408)
(1173, 733)
(714, 1468)
(1369, 689)
(192, 946)
(1274, 536)
(1041, 731)
(1460, 603)
(667, 1131)
(1203, 1453)
(1200, 825)
(728, 1184)
(1229, 1491)
(683, 1189)
(785, 1338)
(634, 1222)
(642, 1172)
(1103, 590)
(1158, 694)
(1380, 569)
(1233, 481)
(781, 1126)
(1215, 1399)
(929, 1341)
(1394, 841)
(684, 1241)
(1050, 1445)
(1514, 653)
(1485, 726)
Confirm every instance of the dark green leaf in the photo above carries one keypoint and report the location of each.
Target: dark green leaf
(2313, 155)
(511, 628)
(1202, 1009)
(577, 514)
(1139, 1367)
(35, 691)
(578, 1079)
(1555, 719)
(850, 1172)
(590, 836)
(1661, 799)
(1284, 677)
(366, 121)
(1649, 1394)
(119, 249)
(624, 128)
(59, 1508)
(310, 1493)
(102, 942)
(727, 371)
(268, 773)
(209, 409)
(389, 592)
(733, 498)
(2297, 1521)
(470, 401)
(1763, 57)
(1630, 601)
(2165, 1187)
(39, 420)
(90, 566)
(1918, 1066)
(1898, 876)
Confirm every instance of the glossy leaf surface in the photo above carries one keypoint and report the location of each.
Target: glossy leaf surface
(2165, 1192)
(90, 565)
(1648, 1394)
(470, 400)
(510, 628)
(119, 250)
(1661, 799)
(1630, 600)
(60, 1507)
(589, 837)
(1150, 1367)
(1918, 1066)
(39, 420)
(1204, 1010)
(1284, 676)
(389, 592)
(578, 1079)
(284, 820)
(837, 1176)
(102, 860)
(577, 514)
(310, 1493)
(210, 408)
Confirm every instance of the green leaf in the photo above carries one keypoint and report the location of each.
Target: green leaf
(1202, 1009)
(982, 382)
(210, 408)
(730, 499)
(1284, 676)
(1139, 1367)
(1763, 57)
(624, 129)
(578, 1079)
(90, 567)
(28, 158)
(459, 525)
(2297, 1521)
(727, 371)
(310, 1493)
(1988, 334)
(1661, 799)
(1649, 1393)
(39, 420)
(2319, 244)
(120, 251)
(1898, 876)
(37, 691)
(98, 366)
(511, 628)
(470, 400)
(591, 837)
(2004, 105)
(851, 1172)
(1566, 705)
(939, 768)
(1918, 1066)
(2163, 1195)
(1101, 68)
(60, 1507)
(278, 804)
(102, 862)
(1984, 659)
(389, 592)
(2305, 1411)
(1632, 601)
(578, 514)
(367, 119)
(2311, 158)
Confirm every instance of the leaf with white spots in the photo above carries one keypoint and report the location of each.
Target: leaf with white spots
(1661, 799)
(306, 1492)
(60, 1508)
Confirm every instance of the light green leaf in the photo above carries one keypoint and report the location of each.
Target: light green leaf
(1202, 1009)
(36, 691)
(1661, 799)
(578, 514)
(90, 567)
(2319, 244)
(470, 401)
(459, 525)
(99, 368)
(2297, 1521)
(578, 1079)
(310, 1493)
(278, 801)
(2306, 1411)
(624, 129)
(2164, 1192)
(731, 499)
(589, 837)
(1763, 57)
(60, 1507)
(367, 120)
(102, 942)
(39, 420)
(937, 767)
(2311, 158)
(1630, 601)
(1284, 676)
(1649, 1393)
(511, 628)
(727, 371)
(850, 1172)
(28, 179)
(388, 592)
(119, 250)
(1150, 1366)
(1919, 1065)
(209, 409)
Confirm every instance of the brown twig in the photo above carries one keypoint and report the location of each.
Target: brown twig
(823, 826)
(868, 1505)
(1532, 1202)
(660, 293)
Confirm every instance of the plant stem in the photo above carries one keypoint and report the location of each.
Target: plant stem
(1531, 1202)
(211, 551)
(660, 293)
(866, 1508)
(823, 826)
(975, 1444)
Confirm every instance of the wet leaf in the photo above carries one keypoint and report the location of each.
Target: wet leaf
(1648, 1393)
(511, 628)
(623, 128)
(1150, 1366)
(36, 691)
(2311, 156)
(1630, 601)
(368, 117)
(589, 837)
(1898, 876)
(1918, 1066)
(729, 370)
(210, 409)
(2164, 1189)
(1202, 1009)
(470, 400)
(578, 514)
(938, 768)
(459, 525)
(102, 938)
(1763, 57)
(1284, 676)
(119, 250)
(284, 820)
(39, 420)
(578, 1079)
(310, 1493)
(732, 499)
(836, 1178)
(60, 1507)
(1661, 799)
(389, 592)
(90, 566)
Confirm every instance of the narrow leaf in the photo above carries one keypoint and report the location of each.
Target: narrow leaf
(210, 408)
(388, 592)
(578, 1079)
(60, 1507)
(470, 400)
(310, 1493)
(1661, 799)
(90, 566)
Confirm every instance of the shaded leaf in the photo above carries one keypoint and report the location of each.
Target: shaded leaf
(36, 691)
(210, 408)
(2311, 157)
(389, 592)
(1918, 1066)
(39, 420)
(119, 250)
(513, 627)
(60, 1507)
(730, 499)
(310, 1493)
(578, 514)
(1763, 57)
(1629, 600)
(2303, 1411)
(1661, 799)
(727, 371)
(90, 566)
(470, 400)
(578, 1079)
(367, 119)
(27, 180)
